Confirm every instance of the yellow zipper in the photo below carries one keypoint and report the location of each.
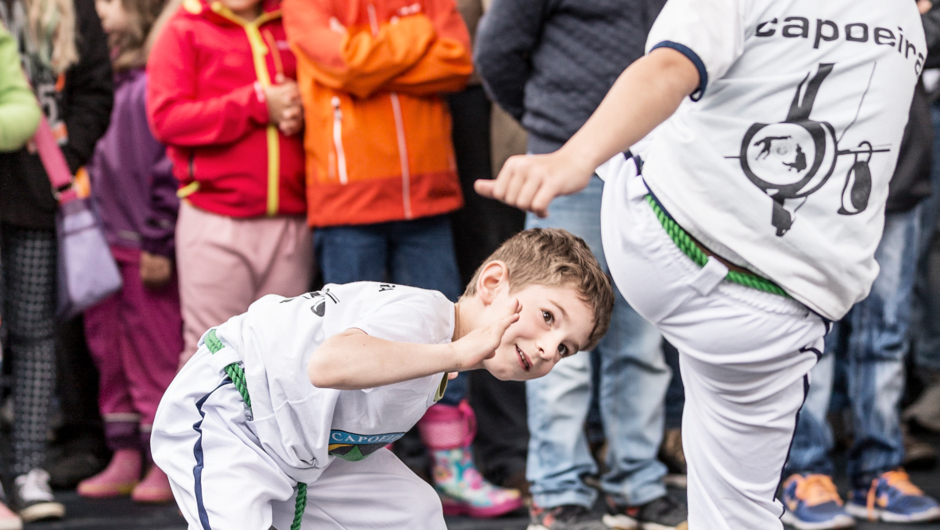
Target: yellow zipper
(258, 52)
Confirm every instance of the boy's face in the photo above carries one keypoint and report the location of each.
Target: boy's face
(553, 323)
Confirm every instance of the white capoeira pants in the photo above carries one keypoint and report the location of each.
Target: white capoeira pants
(745, 356)
(223, 480)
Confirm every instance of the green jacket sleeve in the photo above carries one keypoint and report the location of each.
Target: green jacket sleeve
(19, 112)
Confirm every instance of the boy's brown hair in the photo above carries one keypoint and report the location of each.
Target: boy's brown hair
(554, 257)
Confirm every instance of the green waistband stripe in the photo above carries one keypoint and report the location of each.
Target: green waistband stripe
(688, 247)
(234, 371)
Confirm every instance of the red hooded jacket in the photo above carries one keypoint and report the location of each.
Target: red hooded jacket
(205, 102)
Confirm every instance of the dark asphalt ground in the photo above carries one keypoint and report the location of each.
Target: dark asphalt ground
(123, 514)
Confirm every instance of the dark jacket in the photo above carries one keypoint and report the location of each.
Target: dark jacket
(911, 180)
(549, 63)
(83, 105)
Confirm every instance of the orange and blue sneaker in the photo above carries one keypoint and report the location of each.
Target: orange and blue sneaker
(813, 503)
(892, 498)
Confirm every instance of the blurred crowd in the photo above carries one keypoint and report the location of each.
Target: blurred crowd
(238, 148)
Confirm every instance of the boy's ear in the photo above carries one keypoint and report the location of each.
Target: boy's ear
(493, 278)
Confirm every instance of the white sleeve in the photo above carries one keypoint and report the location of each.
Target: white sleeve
(709, 32)
(421, 317)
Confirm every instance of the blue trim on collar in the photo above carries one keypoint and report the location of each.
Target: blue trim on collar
(696, 60)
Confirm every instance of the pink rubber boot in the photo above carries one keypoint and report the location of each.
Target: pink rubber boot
(155, 488)
(119, 478)
(447, 432)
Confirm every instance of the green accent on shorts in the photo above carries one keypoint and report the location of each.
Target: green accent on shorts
(688, 247)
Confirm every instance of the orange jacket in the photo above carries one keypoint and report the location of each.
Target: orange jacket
(378, 135)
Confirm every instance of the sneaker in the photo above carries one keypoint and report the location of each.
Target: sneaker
(8, 518)
(664, 513)
(565, 517)
(33, 498)
(892, 498)
(812, 503)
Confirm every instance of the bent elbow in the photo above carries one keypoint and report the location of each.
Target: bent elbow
(322, 374)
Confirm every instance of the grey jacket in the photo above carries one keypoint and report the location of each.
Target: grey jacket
(549, 63)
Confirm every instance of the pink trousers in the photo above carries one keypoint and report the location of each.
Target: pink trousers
(135, 337)
(226, 263)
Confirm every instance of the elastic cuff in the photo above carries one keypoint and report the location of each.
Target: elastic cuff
(696, 60)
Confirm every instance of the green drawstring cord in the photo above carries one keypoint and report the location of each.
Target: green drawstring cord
(688, 247)
(236, 373)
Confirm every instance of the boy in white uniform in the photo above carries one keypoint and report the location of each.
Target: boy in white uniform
(283, 414)
(756, 218)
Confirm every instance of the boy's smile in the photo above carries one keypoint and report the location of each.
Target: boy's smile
(553, 323)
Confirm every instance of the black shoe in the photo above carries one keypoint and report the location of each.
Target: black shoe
(565, 517)
(66, 472)
(33, 498)
(664, 513)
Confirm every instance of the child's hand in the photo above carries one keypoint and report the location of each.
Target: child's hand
(155, 270)
(924, 5)
(471, 349)
(530, 182)
(284, 105)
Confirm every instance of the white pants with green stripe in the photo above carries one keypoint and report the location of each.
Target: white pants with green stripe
(744, 353)
(223, 480)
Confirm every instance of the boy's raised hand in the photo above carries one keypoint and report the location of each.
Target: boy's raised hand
(530, 182)
(481, 343)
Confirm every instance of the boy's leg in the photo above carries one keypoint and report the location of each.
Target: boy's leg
(378, 492)
(744, 356)
(219, 475)
(737, 428)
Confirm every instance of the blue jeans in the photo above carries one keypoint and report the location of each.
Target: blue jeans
(872, 342)
(632, 388)
(419, 253)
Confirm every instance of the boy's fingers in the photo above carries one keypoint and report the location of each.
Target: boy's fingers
(484, 187)
(528, 192)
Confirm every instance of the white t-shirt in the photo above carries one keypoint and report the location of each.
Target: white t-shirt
(304, 427)
(782, 164)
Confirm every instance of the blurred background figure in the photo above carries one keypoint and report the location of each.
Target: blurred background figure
(65, 55)
(226, 104)
(135, 336)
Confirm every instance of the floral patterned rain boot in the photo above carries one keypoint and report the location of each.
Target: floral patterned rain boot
(447, 431)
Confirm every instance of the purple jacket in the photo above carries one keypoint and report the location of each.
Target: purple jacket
(132, 180)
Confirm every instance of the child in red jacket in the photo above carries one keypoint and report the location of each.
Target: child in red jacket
(222, 97)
